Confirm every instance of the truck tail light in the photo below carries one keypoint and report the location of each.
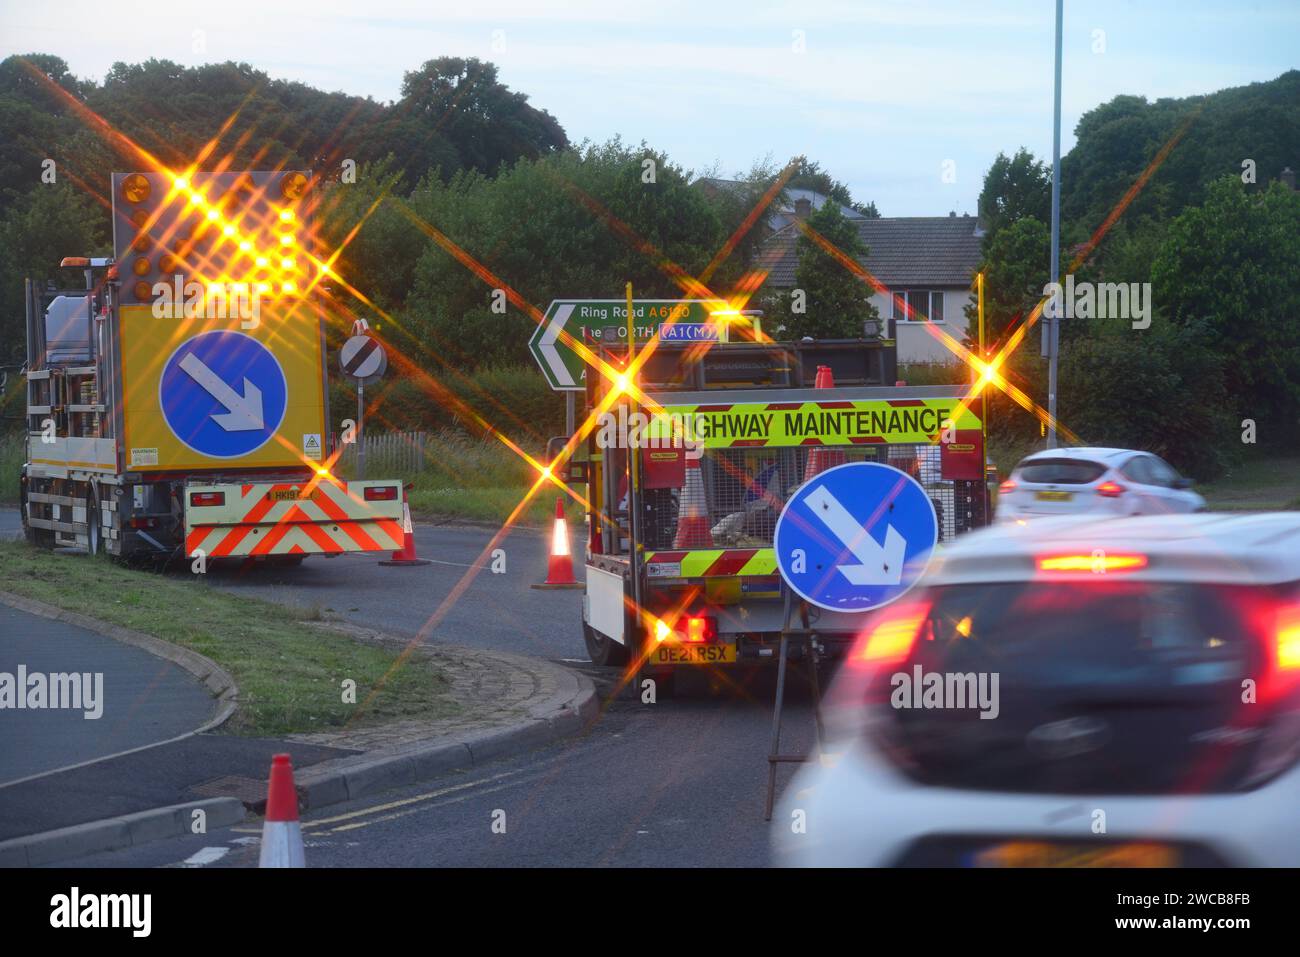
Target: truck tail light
(381, 493)
(1110, 490)
(701, 628)
(201, 499)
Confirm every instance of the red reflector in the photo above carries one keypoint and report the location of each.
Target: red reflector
(1110, 490)
(198, 499)
(1098, 562)
(381, 493)
(701, 628)
(143, 522)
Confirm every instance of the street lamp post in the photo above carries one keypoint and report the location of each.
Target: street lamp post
(1053, 320)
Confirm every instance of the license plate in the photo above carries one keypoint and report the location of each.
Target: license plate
(290, 495)
(693, 654)
(1050, 854)
(1053, 496)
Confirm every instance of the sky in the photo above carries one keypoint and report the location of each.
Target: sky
(908, 103)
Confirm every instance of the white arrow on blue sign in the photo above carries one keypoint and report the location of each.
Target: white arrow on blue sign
(855, 537)
(223, 394)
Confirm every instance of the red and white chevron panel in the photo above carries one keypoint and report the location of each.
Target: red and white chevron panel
(319, 517)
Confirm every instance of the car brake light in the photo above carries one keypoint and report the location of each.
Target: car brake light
(1098, 562)
(1007, 486)
(381, 493)
(1110, 489)
(892, 635)
(199, 499)
(1288, 638)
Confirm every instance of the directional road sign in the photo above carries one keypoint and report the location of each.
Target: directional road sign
(223, 393)
(363, 358)
(855, 537)
(588, 320)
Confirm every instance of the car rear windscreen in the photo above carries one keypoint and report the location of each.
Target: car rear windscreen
(1061, 472)
(1112, 686)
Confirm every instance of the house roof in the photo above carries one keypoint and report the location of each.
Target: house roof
(903, 251)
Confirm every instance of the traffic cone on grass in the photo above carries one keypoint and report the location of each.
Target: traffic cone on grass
(281, 833)
(559, 567)
(406, 554)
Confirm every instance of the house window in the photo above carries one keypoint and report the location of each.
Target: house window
(918, 305)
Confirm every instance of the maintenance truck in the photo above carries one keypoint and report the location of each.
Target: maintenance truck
(177, 401)
(680, 567)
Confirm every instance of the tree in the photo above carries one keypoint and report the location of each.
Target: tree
(36, 232)
(837, 302)
(575, 224)
(1015, 267)
(1160, 389)
(810, 175)
(1232, 266)
(1014, 188)
(484, 120)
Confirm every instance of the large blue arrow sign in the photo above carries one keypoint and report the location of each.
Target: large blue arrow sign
(223, 394)
(855, 537)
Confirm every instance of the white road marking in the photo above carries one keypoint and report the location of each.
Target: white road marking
(207, 855)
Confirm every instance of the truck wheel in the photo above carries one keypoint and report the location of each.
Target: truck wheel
(602, 650)
(94, 525)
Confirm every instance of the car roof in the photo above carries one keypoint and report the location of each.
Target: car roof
(1086, 453)
(1211, 547)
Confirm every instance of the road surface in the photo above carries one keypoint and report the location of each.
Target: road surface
(144, 699)
(678, 782)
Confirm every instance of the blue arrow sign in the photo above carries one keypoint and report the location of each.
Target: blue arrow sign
(223, 394)
(855, 537)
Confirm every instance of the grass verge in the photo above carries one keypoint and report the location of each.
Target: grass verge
(1257, 484)
(463, 477)
(289, 674)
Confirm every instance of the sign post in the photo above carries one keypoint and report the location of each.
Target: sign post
(364, 360)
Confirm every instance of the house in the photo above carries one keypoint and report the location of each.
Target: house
(927, 264)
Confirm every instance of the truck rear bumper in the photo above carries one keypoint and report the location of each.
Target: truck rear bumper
(320, 517)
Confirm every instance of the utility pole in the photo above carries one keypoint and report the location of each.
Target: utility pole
(1053, 321)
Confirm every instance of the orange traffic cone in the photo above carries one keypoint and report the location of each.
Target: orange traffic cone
(406, 554)
(820, 459)
(559, 567)
(693, 512)
(281, 833)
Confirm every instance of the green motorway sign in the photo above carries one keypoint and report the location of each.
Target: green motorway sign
(589, 320)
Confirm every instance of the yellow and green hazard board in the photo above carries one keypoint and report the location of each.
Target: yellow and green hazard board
(842, 422)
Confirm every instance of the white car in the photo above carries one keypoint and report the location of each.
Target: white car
(1109, 481)
(1070, 692)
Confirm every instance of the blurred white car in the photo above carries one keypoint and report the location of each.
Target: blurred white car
(1070, 692)
(1109, 481)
